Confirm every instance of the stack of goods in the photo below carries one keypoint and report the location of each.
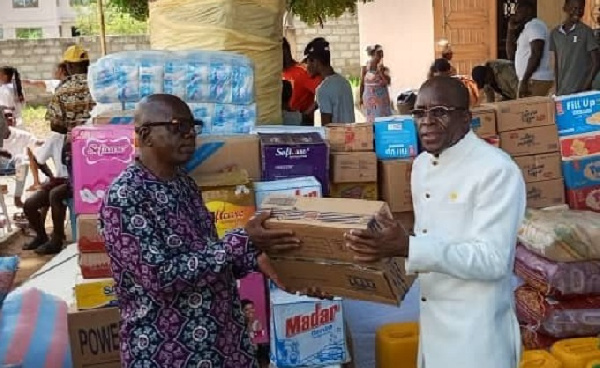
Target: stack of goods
(353, 162)
(558, 258)
(578, 120)
(484, 124)
(528, 133)
(396, 144)
(218, 86)
(252, 28)
(287, 156)
(306, 332)
(100, 154)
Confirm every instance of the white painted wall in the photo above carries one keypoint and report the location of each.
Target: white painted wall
(405, 30)
(49, 15)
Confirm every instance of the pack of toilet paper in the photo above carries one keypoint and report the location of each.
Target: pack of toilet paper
(194, 76)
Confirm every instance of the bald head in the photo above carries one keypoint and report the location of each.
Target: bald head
(159, 108)
(445, 91)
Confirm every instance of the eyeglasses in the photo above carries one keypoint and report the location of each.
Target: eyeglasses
(438, 113)
(176, 125)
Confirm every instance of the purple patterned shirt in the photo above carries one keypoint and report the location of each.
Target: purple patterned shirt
(176, 282)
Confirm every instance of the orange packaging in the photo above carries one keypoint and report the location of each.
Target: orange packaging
(95, 265)
(230, 199)
(89, 239)
(581, 145)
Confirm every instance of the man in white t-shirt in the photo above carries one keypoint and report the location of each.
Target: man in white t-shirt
(532, 53)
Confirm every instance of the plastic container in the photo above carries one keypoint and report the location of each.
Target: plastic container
(397, 345)
(539, 359)
(576, 353)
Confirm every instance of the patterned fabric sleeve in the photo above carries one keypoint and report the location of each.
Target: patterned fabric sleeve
(139, 245)
(243, 253)
(55, 114)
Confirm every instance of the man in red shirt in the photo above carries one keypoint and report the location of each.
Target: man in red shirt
(303, 85)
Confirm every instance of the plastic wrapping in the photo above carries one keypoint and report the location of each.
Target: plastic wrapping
(558, 279)
(562, 235)
(249, 27)
(194, 76)
(558, 319)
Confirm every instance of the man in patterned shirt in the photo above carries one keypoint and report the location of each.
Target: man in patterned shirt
(175, 280)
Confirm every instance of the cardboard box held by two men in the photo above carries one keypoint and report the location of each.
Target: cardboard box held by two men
(323, 259)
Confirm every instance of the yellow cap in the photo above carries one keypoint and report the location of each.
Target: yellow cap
(75, 54)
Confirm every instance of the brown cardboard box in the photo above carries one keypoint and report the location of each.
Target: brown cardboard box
(115, 117)
(350, 137)
(227, 153)
(542, 167)
(385, 282)
(546, 193)
(366, 191)
(530, 141)
(94, 337)
(395, 184)
(484, 121)
(353, 167)
(321, 223)
(88, 238)
(524, 113)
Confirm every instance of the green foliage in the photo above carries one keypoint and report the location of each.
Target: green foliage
(29, 33)
(116, 22)
(309, 11)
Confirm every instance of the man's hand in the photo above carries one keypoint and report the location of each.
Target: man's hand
(372, 246)
(270, 239)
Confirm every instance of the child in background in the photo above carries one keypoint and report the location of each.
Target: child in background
(289, 117)
(11, 95)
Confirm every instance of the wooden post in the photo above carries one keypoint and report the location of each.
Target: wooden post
(102, 28)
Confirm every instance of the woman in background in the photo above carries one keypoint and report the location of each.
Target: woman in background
(375, 80)
(11, 95)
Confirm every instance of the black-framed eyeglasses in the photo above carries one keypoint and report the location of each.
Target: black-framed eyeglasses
(436, 112)
(181, 126)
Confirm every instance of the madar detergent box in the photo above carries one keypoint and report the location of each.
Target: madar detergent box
(306, 186)
(306, 332)
(100, 154)
(395, 137)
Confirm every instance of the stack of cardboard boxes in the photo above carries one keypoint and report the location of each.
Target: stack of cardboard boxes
(578, 121)
(353, 162)
(483, 124)
(528, 133)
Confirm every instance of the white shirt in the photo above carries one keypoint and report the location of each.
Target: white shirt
(16, 144)
(51, 85)
(535, 29)
(469, 203)
(52, 149)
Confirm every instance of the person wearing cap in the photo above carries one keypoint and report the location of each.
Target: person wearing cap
(498, 80)
(334, 95)
(70, 106)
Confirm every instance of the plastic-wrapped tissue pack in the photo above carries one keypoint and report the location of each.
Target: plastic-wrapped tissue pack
(225, 118)
(194, 76)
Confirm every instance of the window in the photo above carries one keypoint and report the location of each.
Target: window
(29, 33)
(75, 32)
(25, 3)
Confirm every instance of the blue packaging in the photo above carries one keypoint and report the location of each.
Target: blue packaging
(582, 172)
(395, 137)
(304, 186)
(578, 113)
(306, 332)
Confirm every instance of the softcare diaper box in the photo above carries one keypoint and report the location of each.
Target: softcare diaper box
(306, 332)
(100, 154)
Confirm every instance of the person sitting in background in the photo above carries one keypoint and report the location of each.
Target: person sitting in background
(334, 95)
(11, 95)
(576, 54)
(290, 117)
(442, 68)
(374, 83)
(304, 86)
(497, 78)
(448, 54)
(531, 52)
(54, 142)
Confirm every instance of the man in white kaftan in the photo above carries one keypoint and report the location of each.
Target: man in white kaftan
(469, 200)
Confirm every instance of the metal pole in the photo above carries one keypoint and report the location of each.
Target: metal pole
(102, 28)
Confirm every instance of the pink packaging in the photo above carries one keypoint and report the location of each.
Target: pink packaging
(100, 154)
(253, 293)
